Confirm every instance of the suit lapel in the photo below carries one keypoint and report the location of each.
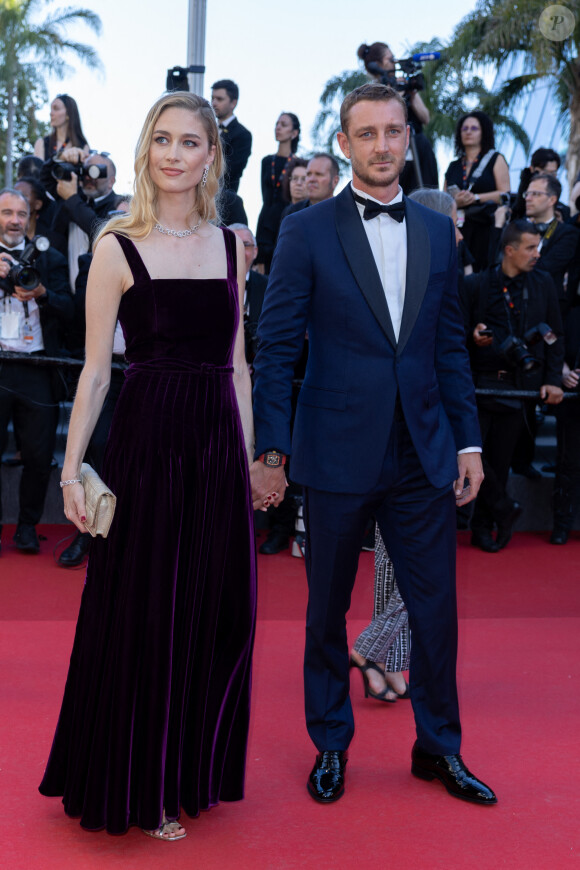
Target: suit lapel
(418, 266)
(360, 259)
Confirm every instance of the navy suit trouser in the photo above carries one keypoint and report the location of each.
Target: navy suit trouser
(417, 522)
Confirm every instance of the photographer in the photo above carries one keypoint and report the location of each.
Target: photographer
(380, 65)
(30, 320)
(84, 190)
(544, 161)
(507, 309)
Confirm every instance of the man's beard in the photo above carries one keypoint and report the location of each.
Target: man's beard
(363, 171)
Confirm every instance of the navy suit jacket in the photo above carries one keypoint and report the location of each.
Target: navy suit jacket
(324, 280)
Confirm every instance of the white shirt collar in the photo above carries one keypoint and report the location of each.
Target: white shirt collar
(397, 198)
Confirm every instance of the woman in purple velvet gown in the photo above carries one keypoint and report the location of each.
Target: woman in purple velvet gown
(156, 705)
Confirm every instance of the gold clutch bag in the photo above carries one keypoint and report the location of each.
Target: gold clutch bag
(99, 500)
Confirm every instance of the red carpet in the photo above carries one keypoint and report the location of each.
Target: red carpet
(519, 684)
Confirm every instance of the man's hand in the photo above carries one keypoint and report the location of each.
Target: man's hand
(469, 466)
(6, 263)
(27, 295)
(570, 377)
(551, 395)
(72, 155)
(479, 339)
(268, 485)
(66, 189)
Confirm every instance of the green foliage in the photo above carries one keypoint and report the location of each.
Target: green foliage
(31, 49)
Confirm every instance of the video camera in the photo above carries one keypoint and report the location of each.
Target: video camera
(412, 78)
(23, 274)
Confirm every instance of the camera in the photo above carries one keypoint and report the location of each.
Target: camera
(517, 350)
(63, 171)
(508, 199)
(23, 274)
(412, 77)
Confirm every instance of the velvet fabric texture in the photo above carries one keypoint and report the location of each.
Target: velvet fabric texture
(156, 706)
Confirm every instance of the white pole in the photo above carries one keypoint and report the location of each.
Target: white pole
(196, 43)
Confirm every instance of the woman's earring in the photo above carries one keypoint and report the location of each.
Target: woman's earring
(204, 176)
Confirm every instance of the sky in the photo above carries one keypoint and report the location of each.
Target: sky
(281, 56)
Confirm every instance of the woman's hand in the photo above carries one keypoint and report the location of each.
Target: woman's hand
(464, 198)
(74, 505)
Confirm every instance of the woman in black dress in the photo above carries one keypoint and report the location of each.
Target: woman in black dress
(66, 132)
(275, 168)
(479, 175)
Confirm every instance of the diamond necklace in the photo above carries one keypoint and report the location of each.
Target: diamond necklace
(180, 234)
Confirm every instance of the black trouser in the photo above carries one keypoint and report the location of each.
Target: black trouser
(26, 396)
(567, 483)
(500, 428)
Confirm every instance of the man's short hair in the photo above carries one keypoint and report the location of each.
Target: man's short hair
(542, 156)
(438, 200)
(334, 162)
(229, 87)
(242, 227)
(36, 187)
(12, 192)
(29, 165)
(512, 233)
(553, 186)
(372, 91)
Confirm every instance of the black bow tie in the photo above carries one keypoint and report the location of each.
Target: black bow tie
(223, 128)
(15, 254)
(396, 209)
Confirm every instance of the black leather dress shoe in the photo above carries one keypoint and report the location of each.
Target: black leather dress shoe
(527, 470)
(76, 552)
(484, 540)
(326, 781)
(26, 539)
(559, 536)
(505, 525)
(275, 543)
(454, 775)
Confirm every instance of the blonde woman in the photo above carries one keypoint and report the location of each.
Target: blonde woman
(156, 705)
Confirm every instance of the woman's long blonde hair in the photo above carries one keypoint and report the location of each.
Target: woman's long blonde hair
(140, 221)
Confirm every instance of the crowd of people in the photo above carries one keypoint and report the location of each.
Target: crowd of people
(364, 347)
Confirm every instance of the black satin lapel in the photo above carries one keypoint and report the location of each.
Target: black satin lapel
(361, 261)
(418, 266)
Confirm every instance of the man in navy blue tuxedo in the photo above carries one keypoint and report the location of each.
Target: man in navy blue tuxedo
(386, 426)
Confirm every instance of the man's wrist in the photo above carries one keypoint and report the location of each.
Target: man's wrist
(272, 458)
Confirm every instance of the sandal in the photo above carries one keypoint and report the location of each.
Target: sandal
(369, 693)
(167, 831)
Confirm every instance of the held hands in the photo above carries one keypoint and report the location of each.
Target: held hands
(470, 477)
(74, 505)
(268, 485)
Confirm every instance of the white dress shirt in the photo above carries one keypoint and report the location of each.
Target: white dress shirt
(388, 240)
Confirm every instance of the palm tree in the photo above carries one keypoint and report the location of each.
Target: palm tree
(449, 93)
(501, 32)
(28, 49)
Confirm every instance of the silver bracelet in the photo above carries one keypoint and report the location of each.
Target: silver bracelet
(69, 482)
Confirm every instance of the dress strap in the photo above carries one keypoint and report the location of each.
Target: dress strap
(231, 253)
(134, 259)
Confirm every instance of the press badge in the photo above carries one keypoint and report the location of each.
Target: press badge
(27, 334)
(10, 323)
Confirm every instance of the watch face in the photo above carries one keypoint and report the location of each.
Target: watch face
(272, 459)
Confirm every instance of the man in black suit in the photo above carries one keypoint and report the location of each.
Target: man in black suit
(501, 304)
(322, 175)
(30, 324)
(255, 289)
(236, 139)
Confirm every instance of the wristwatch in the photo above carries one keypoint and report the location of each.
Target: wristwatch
(477, 199)
(273, 458)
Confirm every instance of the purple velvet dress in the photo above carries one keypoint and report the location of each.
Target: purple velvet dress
(156, 705)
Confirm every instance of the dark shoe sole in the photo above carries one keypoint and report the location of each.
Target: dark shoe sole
(430, 775)
(321, 800)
